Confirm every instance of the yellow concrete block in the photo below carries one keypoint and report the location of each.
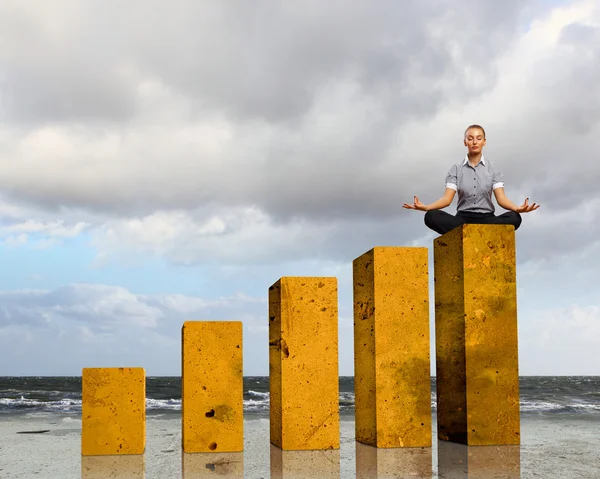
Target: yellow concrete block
(303, 363)
(392, 374)
(212, 464)
(113, 411)
(304, 464)
(476, 335)
(479, 462)
(212, 386)
(103, 467)
(392, 462)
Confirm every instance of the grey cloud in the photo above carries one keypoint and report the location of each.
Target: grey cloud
(316, 101)
(577, 104)
(270, 62)
(53, 69)
(267, 61)
(560, 146)
(67, 95)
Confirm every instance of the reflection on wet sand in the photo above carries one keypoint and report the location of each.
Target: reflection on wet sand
(228, 465)
(372, 462)
(303, 464)
(457, 461)
(104, 467)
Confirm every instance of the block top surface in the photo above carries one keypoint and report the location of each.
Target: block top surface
(215, 324)
(392, 249)
(469, 229)
(115, 370)
(303, 279)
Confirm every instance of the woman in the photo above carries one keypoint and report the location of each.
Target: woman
(474, 179)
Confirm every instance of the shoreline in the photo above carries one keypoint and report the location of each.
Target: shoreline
(551, 447)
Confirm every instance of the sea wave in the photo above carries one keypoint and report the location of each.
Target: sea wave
(543, 406)
(256, 406)
(258, 394)
(163, 404)
(8, 405)
(540, 406)
(258, 402)
(22, 403)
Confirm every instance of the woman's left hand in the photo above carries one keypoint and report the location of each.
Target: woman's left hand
(526, 207)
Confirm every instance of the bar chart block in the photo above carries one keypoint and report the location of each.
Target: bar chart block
(392, 372)
(476, 335)
(212, 389)
(113, 411)
(303, 363)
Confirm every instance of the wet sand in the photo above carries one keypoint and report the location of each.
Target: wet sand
(565, 447)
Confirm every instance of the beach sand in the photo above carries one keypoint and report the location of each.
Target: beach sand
(567, 447)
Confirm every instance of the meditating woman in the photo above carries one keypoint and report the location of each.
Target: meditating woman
(474, 178)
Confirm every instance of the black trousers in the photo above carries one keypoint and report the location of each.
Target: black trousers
(442, 222)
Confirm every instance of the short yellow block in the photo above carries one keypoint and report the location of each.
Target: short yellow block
(392, 374)
(212, 386)
(476, 335)
(113, 411)
(303, 363)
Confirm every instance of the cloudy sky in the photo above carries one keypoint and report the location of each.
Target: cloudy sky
(164, 161)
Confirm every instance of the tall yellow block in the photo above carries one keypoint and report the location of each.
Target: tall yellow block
(392, 375)
(212, 393)
(113, 411)
(476, 335)
(303, 363)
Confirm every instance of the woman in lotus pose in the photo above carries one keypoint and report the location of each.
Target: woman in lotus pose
(474, 179)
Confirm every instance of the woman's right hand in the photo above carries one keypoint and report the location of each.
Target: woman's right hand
(417, 205)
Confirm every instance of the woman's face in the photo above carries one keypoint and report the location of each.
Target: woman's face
(474, 140)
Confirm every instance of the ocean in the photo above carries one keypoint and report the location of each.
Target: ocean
(549, 396)
(560, 421)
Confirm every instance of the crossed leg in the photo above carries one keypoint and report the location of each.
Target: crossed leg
(442, 222)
